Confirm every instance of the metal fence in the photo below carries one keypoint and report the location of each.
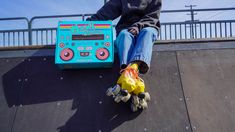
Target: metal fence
(169, 31)
(197, 30)
(16, 37)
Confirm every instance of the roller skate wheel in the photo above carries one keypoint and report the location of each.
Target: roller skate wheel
(124, 92)
(134, 107)
(126, 98)
(117, 99)
(147, 96)
(113, 90)
(143, 104)
(135, 100)
(116, 89)
(109, 92)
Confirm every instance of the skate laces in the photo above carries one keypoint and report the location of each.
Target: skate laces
(141, 79)
(131, 72)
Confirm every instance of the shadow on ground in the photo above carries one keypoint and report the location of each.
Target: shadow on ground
(36, 80)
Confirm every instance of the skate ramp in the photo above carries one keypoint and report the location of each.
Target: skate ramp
(191, 86)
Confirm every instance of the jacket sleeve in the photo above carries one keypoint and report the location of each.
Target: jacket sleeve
(150, 19)
(110, 11)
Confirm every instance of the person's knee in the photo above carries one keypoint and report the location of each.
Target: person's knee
(149, 30)
(124, 33)
(150, 33)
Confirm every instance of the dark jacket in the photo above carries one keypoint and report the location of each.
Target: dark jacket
(134, 13)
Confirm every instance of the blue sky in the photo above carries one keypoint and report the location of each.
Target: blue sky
(30, 8)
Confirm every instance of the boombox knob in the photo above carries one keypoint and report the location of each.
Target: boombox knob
(102, 53)
(66, 54)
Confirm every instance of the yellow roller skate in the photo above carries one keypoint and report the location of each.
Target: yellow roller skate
(130, 83)
(126, 84)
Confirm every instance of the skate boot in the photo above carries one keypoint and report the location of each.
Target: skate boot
(118, 94)
(128, 78)
(125, 84)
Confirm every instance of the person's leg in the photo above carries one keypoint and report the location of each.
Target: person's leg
(124, 43)
(142, 51)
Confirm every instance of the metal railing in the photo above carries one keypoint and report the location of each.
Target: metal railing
(169, 30)
(197, 30)
(14, 37)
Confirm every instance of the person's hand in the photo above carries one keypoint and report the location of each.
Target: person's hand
(132, 31)
(88, 19)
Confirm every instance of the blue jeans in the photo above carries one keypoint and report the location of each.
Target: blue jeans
(136, 48)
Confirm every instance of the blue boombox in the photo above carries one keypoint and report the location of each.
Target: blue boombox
(84, 44)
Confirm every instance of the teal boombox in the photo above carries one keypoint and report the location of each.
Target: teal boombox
(84, 44)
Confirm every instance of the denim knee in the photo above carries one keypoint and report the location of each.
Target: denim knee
(151, 32)
(125, 33)
(122, 34)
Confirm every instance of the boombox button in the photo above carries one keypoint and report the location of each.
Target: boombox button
(88, 48)
(86, 53)
(61, 37)
(107, 44)
(61, 45)
(80, 48)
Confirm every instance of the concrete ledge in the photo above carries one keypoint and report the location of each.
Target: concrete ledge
(49, 50)
(32, 47)
(195, 46)
(160, 42)
(186, 41)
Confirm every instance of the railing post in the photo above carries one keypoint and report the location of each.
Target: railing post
(83, 17)
(192, 19)
(30, 31)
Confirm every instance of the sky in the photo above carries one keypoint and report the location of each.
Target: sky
(31, 8)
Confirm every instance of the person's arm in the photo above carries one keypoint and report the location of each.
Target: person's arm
(149, 20)
(110, 11)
